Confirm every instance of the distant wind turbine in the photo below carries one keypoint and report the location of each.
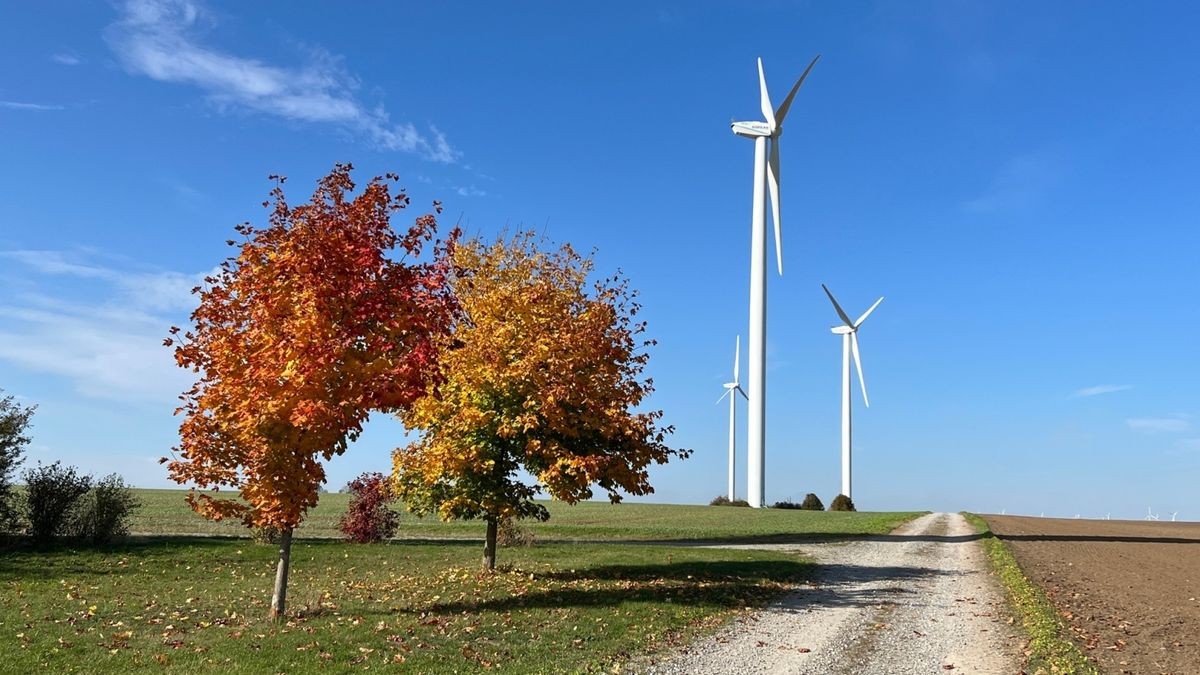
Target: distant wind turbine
(766, 175)
(1173, 514)
(1150, 514)
(731, 390)
(849, 333)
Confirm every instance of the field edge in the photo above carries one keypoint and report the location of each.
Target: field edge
(1050, 648)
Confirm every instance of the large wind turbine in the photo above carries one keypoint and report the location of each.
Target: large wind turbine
(849, 333)
(731, 390)
(771, 129)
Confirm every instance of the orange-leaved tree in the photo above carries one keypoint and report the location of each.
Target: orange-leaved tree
(296, 340)
(543, 372)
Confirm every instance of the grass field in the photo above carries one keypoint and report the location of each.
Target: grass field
(199, 604)
(165, 512)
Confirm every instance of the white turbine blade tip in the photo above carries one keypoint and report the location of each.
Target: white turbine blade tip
(773, 183)
(787, 102)
(841, 313)
(764, 98)
(867, 313)
(737, 353)
(862, 381)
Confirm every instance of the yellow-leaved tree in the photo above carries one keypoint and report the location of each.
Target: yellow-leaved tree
(542, 372)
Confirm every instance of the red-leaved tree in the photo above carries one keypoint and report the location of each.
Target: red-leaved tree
(297, 339)
(368, 519)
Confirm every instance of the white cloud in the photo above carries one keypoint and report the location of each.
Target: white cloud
(157, 38)
(66, 59)
(1101, 389)
(149, 290)
(110, 348)
(1177, 423)
(470, 191)
(18, 105)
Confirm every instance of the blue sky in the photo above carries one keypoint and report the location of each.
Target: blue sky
(1018, 179)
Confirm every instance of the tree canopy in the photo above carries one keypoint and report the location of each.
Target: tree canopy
(297, 339)
(542, 374)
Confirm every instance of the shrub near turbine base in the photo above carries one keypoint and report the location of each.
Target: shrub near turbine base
(842, 503)
(812, 503)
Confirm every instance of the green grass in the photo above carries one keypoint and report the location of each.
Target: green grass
(165, 512)
(183, 605)
(1050, 650)
(578, 601)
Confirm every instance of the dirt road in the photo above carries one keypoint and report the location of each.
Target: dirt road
(919, 600)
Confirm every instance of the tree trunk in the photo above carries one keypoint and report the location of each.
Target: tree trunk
(489, 545)
(279, 598)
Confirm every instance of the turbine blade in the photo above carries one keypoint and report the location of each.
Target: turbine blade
(737, 353)
(867, 313)
(743, 392)
(773, 183)
(765, 98)
(862, 382)
(787, 102)
(838, 307)
(723, 396)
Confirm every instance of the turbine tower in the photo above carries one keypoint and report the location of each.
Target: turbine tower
(766, 174)
(849, 333)
(731, 390)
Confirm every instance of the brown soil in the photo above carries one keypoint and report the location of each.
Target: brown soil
(1128, 590)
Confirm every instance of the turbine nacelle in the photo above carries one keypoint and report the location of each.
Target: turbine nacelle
(841, 330)
(751, 129)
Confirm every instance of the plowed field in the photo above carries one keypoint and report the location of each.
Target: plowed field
(1129, 590)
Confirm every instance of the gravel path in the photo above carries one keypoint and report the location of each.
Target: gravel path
(919, 600)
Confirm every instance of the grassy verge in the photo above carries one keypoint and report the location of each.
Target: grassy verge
(1049, 650)
(188, 605)
(165, 512)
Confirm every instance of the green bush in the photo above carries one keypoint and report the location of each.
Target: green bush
(722, 500)
(785, 504)
(102, 515)
(51, 494)
(813, 503)
(841, 503)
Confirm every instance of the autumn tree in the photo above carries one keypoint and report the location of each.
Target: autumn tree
(298, 337)
(542, 373)
(14, 436)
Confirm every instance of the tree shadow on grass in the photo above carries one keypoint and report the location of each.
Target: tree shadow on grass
(726, 584)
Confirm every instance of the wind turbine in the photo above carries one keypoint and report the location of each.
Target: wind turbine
(1150, 514)
(849, 333)
(1173, 514)
(764, 169)
(731, 390)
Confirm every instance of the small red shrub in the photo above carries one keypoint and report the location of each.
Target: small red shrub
(368, 518)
